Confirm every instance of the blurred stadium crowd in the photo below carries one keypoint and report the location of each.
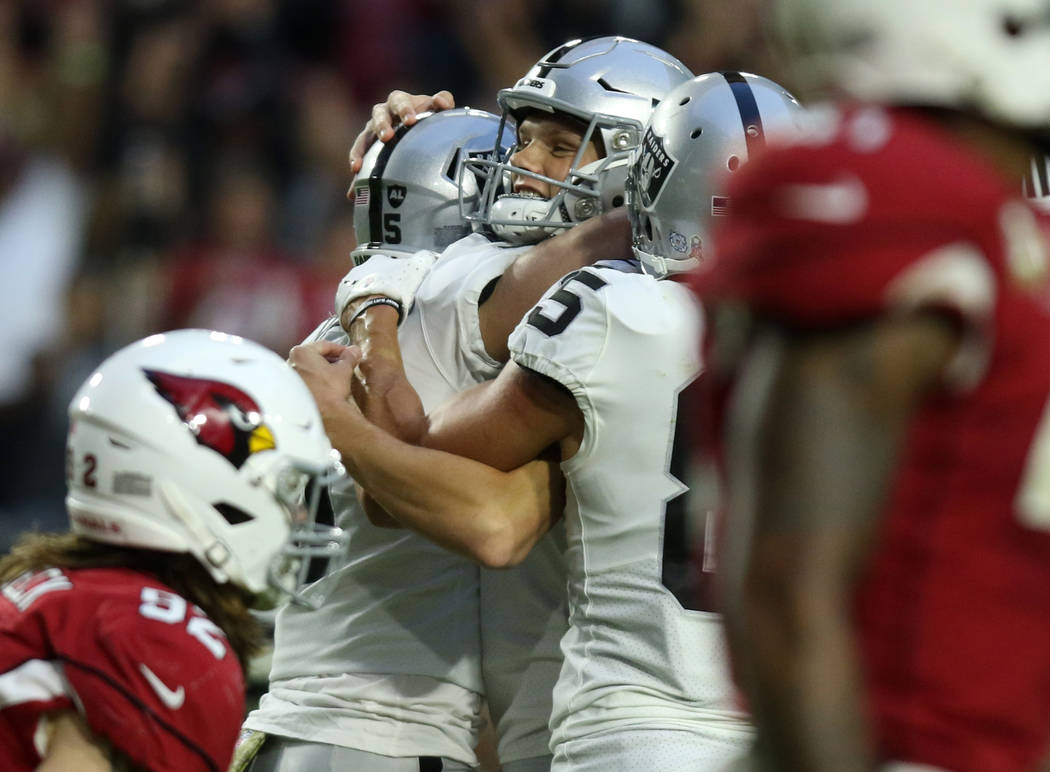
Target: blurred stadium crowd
(170, 163)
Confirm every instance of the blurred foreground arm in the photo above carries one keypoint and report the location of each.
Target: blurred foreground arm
(816, 429)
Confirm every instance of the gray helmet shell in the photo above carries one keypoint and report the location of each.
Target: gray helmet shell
(407, 195)
(703, 131)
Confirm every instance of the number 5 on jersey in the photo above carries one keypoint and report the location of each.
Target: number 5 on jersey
(570, 300)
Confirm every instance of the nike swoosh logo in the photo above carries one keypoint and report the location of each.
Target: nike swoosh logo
(172, 698)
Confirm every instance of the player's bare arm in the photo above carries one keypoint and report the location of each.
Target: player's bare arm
(489, 515)
(605, 237)
(381, 388)
(399, 108)
(509, 421)
(71, 745)
(830, 433)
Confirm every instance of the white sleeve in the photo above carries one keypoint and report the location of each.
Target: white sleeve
(447, 303)
(576, 306)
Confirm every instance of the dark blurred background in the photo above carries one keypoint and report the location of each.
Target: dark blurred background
(168, 163)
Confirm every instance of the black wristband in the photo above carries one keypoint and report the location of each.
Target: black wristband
(379, 300)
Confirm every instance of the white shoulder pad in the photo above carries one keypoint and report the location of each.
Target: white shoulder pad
(600, 321)
(447, 303)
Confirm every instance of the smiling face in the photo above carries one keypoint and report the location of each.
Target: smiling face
(547, 145)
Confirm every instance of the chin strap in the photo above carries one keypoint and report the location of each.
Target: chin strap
(528, 219)
(216, 554)
(660, 267)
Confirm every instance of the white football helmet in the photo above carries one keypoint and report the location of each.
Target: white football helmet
(1037, 183)
(406, 196)
(986, 55)
(702, 131)
(201, 442)
(610, 84)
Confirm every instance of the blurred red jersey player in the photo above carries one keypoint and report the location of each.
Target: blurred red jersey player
(878, 298)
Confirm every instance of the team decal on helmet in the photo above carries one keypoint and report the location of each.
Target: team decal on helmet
(699, 135)
(696, 248)
(653, 168)
(395, 195)
(220, 416)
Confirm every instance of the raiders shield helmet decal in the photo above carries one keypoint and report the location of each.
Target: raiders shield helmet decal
(652, 167)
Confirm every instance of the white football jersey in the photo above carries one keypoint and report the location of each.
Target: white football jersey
(523, 609)
(626, 346)
(524, 614)
(390, 663)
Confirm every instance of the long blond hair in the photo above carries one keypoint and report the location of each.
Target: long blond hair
(225, 604)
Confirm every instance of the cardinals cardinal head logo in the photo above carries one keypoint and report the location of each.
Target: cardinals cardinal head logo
(220, 416)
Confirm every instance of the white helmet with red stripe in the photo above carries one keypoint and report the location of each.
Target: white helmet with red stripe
(989, 56)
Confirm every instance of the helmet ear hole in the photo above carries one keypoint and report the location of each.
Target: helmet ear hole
(452, 172)
(234, 515)
(1012, 27)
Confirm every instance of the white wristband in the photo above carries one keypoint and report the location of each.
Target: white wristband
(397, 278)
(381, 300)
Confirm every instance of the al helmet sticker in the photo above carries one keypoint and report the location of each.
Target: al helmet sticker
(395, 195)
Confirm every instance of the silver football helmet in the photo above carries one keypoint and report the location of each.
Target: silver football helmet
(203, 443)
(702, 131)
(610, 84)
(406, 196)
(986, 55)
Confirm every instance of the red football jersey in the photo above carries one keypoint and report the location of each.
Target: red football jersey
(881, 213)
(149, 671)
